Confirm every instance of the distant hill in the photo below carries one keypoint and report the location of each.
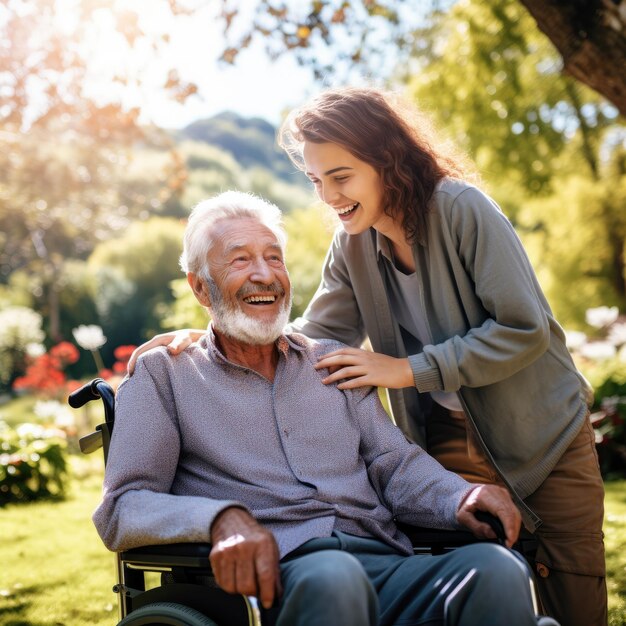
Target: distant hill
(251, 141)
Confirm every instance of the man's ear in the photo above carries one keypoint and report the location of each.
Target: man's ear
(199, 288)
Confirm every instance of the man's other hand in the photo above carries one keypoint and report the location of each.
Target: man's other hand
(495, 500)
(245, 557)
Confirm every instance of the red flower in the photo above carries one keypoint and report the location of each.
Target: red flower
(122, 353)
(119, 367)
(72, 385)
(66, 352)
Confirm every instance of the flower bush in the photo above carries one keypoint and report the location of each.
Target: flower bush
(33, 463)
(44, 375)
(601, 357)
(20, 333)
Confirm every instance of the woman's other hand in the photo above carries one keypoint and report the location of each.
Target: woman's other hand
(361, 368)
(175, 342)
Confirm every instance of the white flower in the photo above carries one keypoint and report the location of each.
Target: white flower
(19, 326)
(89, 337)
(64, 419)
(29, 431)
(598, 350)
(574, 339)
(47, 408)
(34, 350)
(601, 316)
(52, 409)
(617, 334)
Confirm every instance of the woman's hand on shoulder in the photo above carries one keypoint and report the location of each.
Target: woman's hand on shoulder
(175, 342)
(362, 368)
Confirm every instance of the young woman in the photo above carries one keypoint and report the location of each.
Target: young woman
(429, 269)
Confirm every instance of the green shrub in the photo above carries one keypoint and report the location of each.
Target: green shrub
(33, 463)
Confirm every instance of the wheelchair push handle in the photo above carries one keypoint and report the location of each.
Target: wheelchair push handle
(87, 393)
(97, 389)
(94, 390)
(494, 522)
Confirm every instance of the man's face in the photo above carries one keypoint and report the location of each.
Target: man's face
(250, 294)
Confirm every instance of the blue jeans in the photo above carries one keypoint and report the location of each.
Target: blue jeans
(345, 580)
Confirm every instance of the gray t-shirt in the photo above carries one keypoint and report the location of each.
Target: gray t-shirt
(403, 295)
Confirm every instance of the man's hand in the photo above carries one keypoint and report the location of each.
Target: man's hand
(245, 556)
(175, 342)
(494, 500)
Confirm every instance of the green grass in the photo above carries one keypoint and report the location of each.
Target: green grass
(55, 571)
(615, 541)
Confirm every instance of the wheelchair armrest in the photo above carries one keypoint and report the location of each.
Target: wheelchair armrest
(170, 555)
(440, 538)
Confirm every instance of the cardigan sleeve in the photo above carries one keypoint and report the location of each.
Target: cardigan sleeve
(517, 329)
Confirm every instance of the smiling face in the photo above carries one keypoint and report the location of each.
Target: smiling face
(249, 293)
(348, 185)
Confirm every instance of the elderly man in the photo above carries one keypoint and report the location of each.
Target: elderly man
(298, 485)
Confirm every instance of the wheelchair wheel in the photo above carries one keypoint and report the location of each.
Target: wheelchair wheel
(166, 614)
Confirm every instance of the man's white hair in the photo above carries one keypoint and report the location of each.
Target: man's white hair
(197, 241)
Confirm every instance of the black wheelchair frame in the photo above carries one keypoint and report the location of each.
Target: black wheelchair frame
(188, 594)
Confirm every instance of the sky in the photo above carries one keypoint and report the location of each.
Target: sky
(254, 86)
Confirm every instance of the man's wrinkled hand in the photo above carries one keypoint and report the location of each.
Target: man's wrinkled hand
(245, 557)
(497, 501)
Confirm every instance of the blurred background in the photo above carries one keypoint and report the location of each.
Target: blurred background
(117, 117)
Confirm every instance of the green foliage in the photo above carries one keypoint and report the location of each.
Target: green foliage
(133, 274)
(517, 115)
(32, 464)
(608, 378)
(184, 311)
(309, 235)
(576, 237)
(249, 140)
(212, 170)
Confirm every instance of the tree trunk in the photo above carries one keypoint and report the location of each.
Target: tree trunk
(591, 37)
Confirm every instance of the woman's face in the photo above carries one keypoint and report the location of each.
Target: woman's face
(348, 185)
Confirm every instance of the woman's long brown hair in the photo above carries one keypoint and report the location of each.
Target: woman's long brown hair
(376, 130)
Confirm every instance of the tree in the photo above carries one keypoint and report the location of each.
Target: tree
(132, 277)
(62, 151)
(327, 34)
(550, 149)
(589, 35)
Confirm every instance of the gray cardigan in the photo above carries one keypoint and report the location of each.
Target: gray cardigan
(494, 339)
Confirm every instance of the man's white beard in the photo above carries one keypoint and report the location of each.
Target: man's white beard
(234, 323)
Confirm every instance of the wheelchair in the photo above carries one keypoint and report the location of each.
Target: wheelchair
(188, 594)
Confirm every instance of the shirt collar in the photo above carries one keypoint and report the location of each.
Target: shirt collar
(283, 343)
(383, 247)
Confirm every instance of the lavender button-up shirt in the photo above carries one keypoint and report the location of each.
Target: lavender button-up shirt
(196, 433)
